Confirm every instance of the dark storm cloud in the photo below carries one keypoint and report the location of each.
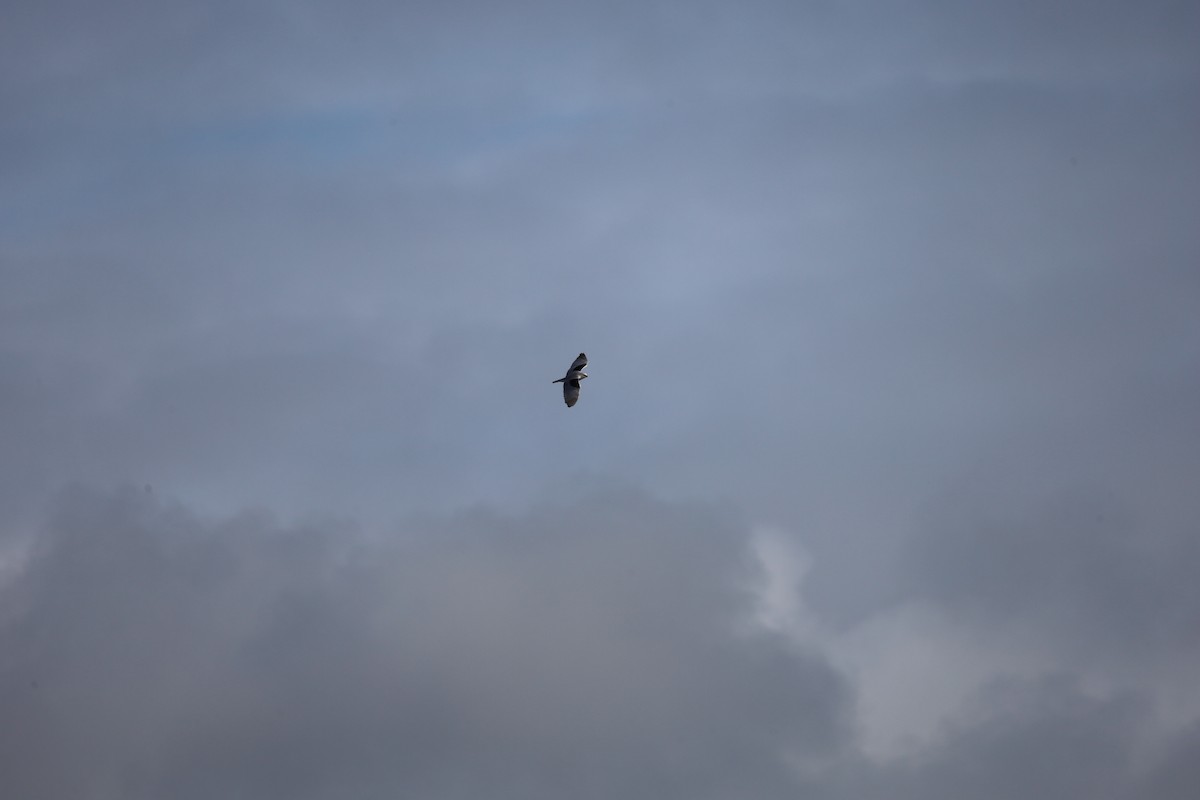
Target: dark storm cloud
(601, 645)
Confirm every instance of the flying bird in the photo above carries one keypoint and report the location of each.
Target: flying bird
(571, 380)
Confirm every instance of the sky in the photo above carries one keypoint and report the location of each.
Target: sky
(882, 485)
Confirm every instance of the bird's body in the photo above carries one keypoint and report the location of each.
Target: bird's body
(571, 380)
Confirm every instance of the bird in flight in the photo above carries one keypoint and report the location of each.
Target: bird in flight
(571, 380)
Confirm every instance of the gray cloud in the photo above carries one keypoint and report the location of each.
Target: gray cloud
(1076, 561)
(1045, 739)
(914, 288)
(1175, 774)
(150, 651)
(600, 644)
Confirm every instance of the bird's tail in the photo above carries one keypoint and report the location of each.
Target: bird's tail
(560, 380)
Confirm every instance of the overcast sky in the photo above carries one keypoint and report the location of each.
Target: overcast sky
(883, 485)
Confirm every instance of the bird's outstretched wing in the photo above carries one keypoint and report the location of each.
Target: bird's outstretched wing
(579, 363)
(571, 391)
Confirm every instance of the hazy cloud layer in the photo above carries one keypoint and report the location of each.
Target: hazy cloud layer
(883, 484)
